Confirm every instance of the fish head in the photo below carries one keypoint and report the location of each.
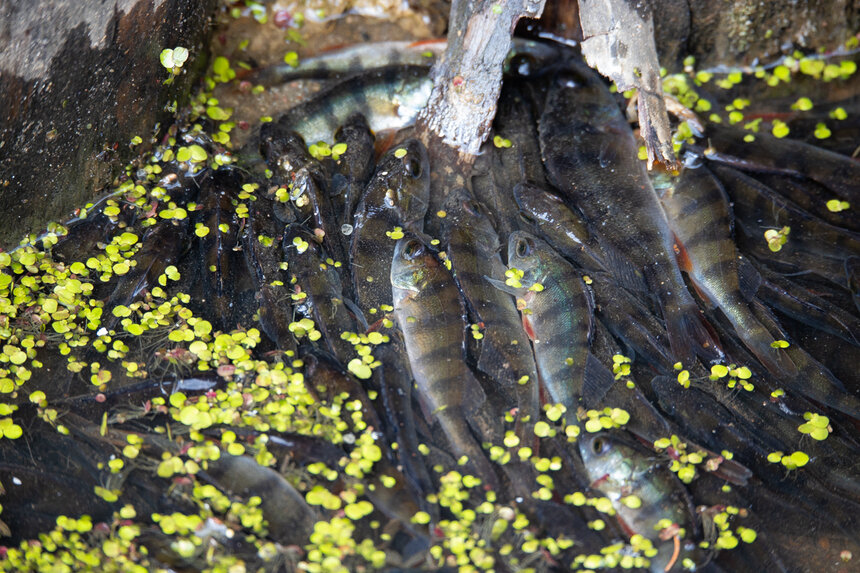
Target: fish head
(461, 208)
(413, 95)
(408, 171)
(283, 147)
(610, 461)
(530, 255)
(536, 204)
(412, 265)
(354, 126)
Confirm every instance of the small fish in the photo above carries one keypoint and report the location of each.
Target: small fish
(354, 59)
(806, 307)
(570, 234)
(622, 470)
(327, 379)
(162, 246)
(630, 321)
(431, 315)
(812, 197)
(706, 419)
(261, 245)
(591, 157)
(84, 234)
(602, 390)
(563, 228)
(389, 98)
(318, 291)
(394, 380)
(308, 183)
(768, 154)
(472, 246)
(812, 244)
(216, 249)
(700, 216)
(557, 315)
(290, 519)
(499, 169)
(396, 196)
(526, 58)
(814, 380)
(354, 168)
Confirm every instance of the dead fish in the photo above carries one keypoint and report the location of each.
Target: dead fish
(290, 519)
(570, 234)
(499, 169)
(394, 380)
(812, 197)
(591, 157)
(806, 307)
(624, 471)
(700, 216)
(162, 246)
(83, 234)
(318, 293)
(354, 59)
(557, 313)
(630, 321)
(472, 246)
(307, 181)
(389, 98)
(396, 196)
(767, 153)
(430, 313)
(602, 390)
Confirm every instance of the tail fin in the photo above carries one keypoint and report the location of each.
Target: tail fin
(759, 340)
(688, 335)
(815, 381)
(464, 443)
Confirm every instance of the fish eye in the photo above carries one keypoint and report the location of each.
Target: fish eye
(412, 166)
(412, 249)
(597, 445)
(527, 217)
(524, 247)
(523, 64)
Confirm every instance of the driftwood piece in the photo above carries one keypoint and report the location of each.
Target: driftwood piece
(468, 78)
(618, 41)
(467, 83)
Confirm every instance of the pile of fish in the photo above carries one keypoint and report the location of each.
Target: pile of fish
(651, 314)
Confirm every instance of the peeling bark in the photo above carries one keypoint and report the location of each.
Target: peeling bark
(468, 78)
(619, 43)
